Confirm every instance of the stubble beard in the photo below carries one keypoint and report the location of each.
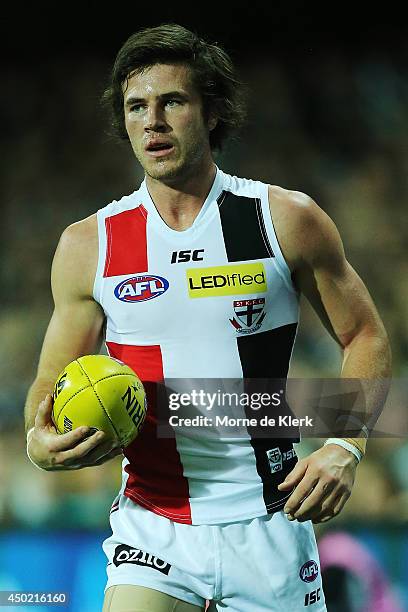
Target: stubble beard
(163, 170)
(173, 171)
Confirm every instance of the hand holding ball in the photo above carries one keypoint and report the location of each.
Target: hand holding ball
(102, 393)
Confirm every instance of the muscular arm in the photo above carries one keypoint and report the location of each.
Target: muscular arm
(341, 299)
(75, 329)
(76, 324)
(314, 252)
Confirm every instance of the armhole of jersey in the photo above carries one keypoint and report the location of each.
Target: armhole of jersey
(281, 264)
(97, 288)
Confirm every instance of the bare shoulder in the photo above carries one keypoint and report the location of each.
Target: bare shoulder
(76, 257)
(82, 234)
(304, 231)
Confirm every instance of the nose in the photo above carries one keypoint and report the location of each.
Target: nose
(155, 121)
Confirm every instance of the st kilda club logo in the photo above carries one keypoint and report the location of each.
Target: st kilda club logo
(248, 315)
(127, 554)
(141, 288)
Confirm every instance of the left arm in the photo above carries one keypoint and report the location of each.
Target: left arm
(314, 251)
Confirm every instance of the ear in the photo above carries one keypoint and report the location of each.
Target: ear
(212, 122)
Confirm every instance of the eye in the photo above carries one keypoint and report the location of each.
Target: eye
(172, 102)
(135, 108)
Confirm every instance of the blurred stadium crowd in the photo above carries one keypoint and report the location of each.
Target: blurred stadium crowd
(334, 128)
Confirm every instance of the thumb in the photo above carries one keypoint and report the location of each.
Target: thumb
(43, 416)
(294, 477)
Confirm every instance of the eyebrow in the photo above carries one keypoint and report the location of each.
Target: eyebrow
(170, 94)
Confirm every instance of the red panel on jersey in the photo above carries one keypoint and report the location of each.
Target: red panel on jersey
(156, 479)
(126, 250)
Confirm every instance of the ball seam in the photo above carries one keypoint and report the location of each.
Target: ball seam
(113, 376)
(99, 399)
(68, 400)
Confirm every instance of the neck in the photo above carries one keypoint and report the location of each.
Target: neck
(179, 202)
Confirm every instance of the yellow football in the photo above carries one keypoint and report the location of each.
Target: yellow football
(102, 393)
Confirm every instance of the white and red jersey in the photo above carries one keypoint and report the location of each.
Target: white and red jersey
(213, 301)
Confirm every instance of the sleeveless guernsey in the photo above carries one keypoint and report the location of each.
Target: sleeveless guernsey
(213, 301)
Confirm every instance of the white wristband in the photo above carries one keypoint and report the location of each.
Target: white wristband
(346, 445)
(29, 432)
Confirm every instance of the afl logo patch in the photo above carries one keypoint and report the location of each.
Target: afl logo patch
(141, 288)
(309, 571)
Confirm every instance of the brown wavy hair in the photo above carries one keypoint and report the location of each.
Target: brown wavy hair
(214, 76)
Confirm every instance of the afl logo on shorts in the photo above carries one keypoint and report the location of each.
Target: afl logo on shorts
(309, 571)
(141, 288)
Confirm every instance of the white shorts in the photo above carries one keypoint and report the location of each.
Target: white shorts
(266, 563)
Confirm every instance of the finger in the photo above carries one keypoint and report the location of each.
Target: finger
(327, 511)
(312, 504)
(86, 462)
(88, 451)
(83, 446)
(338, 507)
(69, 440)
(340, 502)
(294, 477)
(43, 416)
(100, 452)
(302, 490)
(114, 453)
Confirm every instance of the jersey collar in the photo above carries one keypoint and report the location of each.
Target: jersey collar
(213, 194)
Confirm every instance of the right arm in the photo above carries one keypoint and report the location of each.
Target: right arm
(75, 329)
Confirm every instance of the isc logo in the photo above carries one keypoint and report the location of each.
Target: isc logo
(312, 597)
(141, 288)
(182, 256)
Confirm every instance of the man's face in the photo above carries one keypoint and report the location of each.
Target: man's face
(164, 120)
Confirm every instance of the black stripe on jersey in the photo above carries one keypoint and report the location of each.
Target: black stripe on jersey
(263, 228)
(273, 498)
(266, 356)
(243, 228)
